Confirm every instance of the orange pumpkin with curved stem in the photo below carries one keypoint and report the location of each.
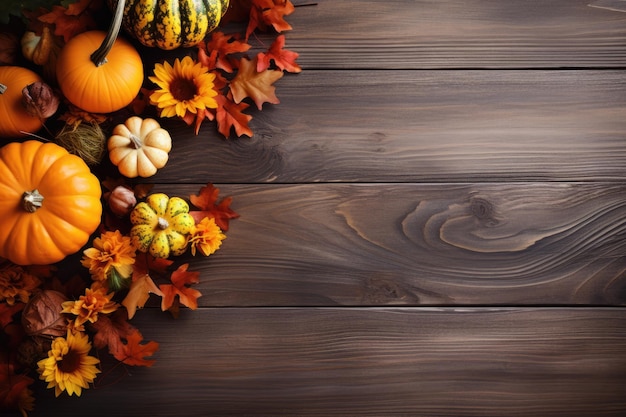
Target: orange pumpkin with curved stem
(99, 72)
(15, 119)
(49, 203)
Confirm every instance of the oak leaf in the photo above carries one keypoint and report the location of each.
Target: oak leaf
(180, 286)
(206, 201)
(255, 85)
(283, 58)
(139, 293)
(134, 353)
(230, 115)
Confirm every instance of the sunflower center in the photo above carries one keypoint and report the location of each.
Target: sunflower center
(183, 89)
(70, 362)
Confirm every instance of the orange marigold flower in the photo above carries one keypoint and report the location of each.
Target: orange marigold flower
(186, 87)
(87, 307)
(206, 237)
(111, 257)
(16, 284)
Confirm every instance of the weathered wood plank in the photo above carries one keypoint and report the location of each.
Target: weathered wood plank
(405, 126)
(371, 362)
(442, 244)
(457, 33)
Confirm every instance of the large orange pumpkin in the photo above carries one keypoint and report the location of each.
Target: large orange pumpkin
(15, 119)
(49, 203)
(99, 72)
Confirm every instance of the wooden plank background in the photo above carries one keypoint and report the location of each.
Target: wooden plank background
(433, 223)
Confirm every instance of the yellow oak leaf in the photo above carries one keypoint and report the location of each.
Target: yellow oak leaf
(257, 85)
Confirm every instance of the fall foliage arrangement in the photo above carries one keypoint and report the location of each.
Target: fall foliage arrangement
(74, 91)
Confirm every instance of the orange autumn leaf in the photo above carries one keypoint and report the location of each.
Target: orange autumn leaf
(139, 293)
(71, 21)
(275, 15)
(206, 201)
(134, 353)
(180, 286)
(13, 387)
(266, 13)
(219, 49)
(283, 58)
(256, 85)
(230, 115)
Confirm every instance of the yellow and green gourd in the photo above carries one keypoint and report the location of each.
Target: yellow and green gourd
(161, 225)
(169, 24)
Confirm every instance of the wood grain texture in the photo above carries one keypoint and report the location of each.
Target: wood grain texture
(444, 244)
(372, 362)
(406, 126)
(412, 34)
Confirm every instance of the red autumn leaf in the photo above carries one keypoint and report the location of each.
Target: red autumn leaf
(221, 46)
(134, 353)
(265, 13)
(12, 385)
(275, 15)
(283, 58)
(71, 21)
(206, 58)
(7, 312)
(238, 11)
(230, 115)
(111, 329)
(180, 286)
(256, 85)
(206, 201)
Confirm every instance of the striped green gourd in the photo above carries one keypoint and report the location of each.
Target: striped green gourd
(170, 24)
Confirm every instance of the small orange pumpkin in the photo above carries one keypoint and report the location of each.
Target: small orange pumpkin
(15, 119)
(49, 202)
(99, 72)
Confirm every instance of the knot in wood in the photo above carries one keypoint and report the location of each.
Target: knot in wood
(482, 209)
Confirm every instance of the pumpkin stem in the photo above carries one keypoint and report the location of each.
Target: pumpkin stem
(99, 57)
(136, 141)
(32, 200)
(162, 223)
(3, 88)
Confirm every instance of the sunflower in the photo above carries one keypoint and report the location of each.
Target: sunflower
(185, 87)
(68, 366)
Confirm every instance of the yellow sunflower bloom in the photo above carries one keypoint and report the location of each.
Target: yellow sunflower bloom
(87, 307)
(68, 366)
(206, 237)
(185, 87)
(111, 257)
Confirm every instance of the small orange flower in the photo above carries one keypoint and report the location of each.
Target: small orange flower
(111, 257)
(87, 307)
(16, 284)
(206, 237)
